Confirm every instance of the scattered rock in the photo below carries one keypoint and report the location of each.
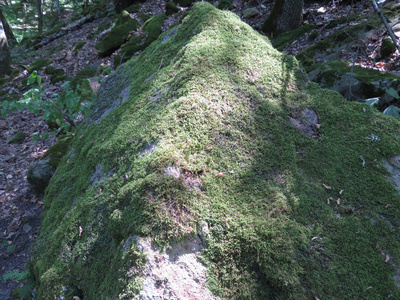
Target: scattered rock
(250, 13)
(307, 122)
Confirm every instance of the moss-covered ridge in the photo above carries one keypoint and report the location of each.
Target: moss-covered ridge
(196, 130)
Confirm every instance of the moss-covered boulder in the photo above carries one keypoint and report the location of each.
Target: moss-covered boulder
(40, 173)
(118, 34)
(39, 64)
(211, 143)
(151, 29)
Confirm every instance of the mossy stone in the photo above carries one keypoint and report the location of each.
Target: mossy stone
(153, 28)
(144, 17)
(39, 174)
(288, 37)
(116, 37)
(58, 78)
(388, 47)
(18, 138)
(134, 8)
(128, 49)
(103, 26)
(88, 71)
(194, 136)
(58, 150)
(79, 45)
(313, 35)
(39, 64)
(171, 8)
(50, 70)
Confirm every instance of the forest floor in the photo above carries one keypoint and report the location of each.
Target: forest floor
(20, 206)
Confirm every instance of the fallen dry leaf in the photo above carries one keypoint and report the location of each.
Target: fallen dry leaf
(327, 186)
(220, 174)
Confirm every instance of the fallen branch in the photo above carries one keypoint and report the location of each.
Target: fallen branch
(390, 31)
(66, 118)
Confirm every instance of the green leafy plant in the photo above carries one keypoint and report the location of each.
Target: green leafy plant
(391, 110)
(61, 110)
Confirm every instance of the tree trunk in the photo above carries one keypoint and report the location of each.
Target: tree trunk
(40, 15)
(9, 34)
(5, 56)
(286, 15)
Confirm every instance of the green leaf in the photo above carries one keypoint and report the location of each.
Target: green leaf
(39, 79)
(5, 104)
(3, 243)
(10, 248)
(16, 275)
(392, 110)
(4, 113)
(35, 138)
(372, 101)
(392, 92)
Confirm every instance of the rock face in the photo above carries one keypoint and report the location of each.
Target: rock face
(211, 147)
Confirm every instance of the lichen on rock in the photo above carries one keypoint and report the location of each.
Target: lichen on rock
(191, 141)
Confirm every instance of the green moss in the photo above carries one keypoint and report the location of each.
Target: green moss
(58, 78)
(39, 64)
(87, 72)
(153, 28)
(116, 37)
(171, 8)
(58, 150)
(134, 8)
(313, 35)
(4, 81)
(18, 138)
(388, 47)
(215, 97)
(144, 17)
(50, 70)
(78, 46)
(184, 3)
(286, 38)
(225, 4)
(127, 50)
(350, 18)
(103, 26)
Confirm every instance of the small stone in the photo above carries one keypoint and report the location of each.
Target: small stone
(250, 13)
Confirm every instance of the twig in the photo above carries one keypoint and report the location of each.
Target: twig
(390, 31)
(160, 64)
(66, 118)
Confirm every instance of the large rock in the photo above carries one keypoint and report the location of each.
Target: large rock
(196, 148)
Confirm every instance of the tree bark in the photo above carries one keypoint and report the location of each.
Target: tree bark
(5, 55)
(286, 15)
(9, 34)
(40, 15)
